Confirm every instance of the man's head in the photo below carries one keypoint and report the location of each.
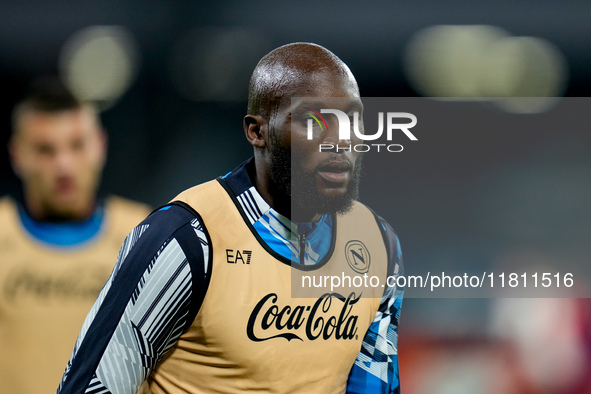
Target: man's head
(58, 150)
(292, 173)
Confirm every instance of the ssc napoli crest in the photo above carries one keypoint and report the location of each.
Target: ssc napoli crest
(357, 256)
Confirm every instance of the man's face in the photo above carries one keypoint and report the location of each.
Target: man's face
(59, 157)
(317, 181)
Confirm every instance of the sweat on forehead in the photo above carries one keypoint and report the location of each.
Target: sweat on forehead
(285, 69)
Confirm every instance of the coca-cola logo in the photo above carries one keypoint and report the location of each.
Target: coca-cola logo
(318, 321)
(81, 284)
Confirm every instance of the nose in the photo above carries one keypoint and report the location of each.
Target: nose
(64, 162)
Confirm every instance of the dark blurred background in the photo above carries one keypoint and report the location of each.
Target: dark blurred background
(171, 78)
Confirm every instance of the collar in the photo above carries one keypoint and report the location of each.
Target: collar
(63, 234)
(279, 233)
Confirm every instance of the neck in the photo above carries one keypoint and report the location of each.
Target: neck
(41, 213)
(304, 217)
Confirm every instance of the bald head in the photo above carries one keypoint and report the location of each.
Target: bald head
(294, 70)
(275, 127)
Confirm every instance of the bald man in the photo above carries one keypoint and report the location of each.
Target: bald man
(201, 299)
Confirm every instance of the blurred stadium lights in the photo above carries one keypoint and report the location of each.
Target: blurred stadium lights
(99, 63)
(485, 63)
(447, 61)
(214, 64)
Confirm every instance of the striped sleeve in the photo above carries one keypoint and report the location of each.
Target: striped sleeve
(376, 368)
(153, 294)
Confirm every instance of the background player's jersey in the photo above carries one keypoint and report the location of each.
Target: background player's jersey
(50, 274)
(161, 279)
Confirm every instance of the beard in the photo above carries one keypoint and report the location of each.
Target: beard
(291, 182)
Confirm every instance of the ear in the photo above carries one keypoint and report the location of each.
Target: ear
(255, 128)
(104, 145)
(14, 152)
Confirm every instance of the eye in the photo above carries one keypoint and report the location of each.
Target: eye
(44, 149)
(77, 145)
(352, 115)
(302, 118)
(311, 117)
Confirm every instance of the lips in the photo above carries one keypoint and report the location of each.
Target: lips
(336, 171)
(65, 186)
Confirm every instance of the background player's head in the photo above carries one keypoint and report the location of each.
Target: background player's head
(58, 150)
(301, 181)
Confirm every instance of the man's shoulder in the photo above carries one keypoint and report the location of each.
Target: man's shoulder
(7, 203)
(389, 236)
(197, 190)
(213, 196)
(168, 222)
(121, 214)
(130, 207)
(385, 227)
(8, 211)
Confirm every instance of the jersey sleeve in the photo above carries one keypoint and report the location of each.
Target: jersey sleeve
(376, 368)
(151, 297)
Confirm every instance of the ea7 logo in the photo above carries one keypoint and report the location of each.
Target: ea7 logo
(345, 124)
(238, 256)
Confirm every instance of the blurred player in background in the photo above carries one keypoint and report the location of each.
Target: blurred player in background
(58, 241)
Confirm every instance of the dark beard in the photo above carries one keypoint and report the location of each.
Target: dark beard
(291, 184)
